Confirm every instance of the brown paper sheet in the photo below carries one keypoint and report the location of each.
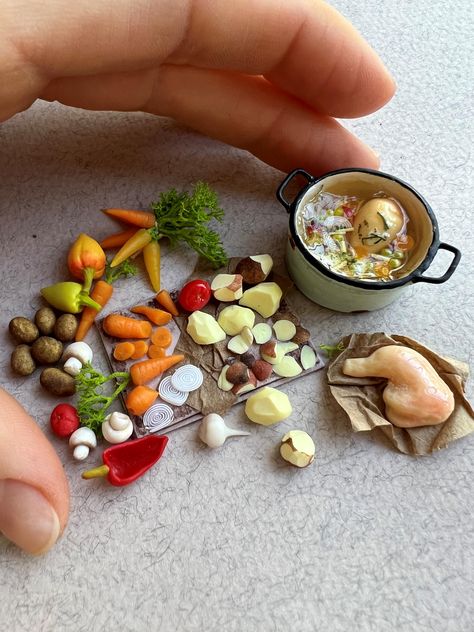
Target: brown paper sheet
(361, 398)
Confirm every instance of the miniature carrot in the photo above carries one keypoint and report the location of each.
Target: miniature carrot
(146, 370)
(117, 240)
(124, 327)
(101, 294)
(156, 352)
(157, 316)
(164, 299)
(162, 337)
(141, 347)
(143, 219)
(151, 257)
(136, 243)
(140, 399)
(123, 351)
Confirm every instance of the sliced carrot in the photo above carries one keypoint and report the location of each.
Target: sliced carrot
(162, 337)
(157, 316)
(141, 347)
(123, 351)
(146, 370)
(117, 240)
(164, 299)
(156, 352)
(143, 219)
(124, 327)
(140, 399)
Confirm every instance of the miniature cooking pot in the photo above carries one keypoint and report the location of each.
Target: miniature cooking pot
(346, 294)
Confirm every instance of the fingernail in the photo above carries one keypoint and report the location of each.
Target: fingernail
(27, 518)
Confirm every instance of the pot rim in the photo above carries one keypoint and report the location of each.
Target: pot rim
(366, 285)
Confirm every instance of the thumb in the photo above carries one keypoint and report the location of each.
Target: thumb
(34, 496)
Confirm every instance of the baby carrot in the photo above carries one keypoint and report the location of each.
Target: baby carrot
(146, 370)
(140, 399)
(141, 347)
(162, 337)
(142, 219)
(164, 299)
(137, 242)
(157, 316)
(124, 351)
(151, 258)
(101, 293)
(124, 327)
(117, 240)
(156, 352)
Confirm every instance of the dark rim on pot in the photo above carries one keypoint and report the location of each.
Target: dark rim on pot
(415, 276)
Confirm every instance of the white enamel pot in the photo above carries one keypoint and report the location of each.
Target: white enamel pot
(344, 294)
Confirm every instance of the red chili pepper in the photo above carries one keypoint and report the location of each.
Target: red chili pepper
(195, 295)
(125, 462)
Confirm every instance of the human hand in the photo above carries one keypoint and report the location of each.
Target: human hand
(265, 75)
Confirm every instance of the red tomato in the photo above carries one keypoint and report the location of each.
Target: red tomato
(194, 295)
(64, 420)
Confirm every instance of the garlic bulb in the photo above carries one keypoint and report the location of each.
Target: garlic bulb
(213, 431)
(117, 427)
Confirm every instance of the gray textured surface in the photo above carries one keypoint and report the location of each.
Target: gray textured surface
(367, 539)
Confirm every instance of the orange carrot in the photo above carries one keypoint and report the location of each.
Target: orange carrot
(124, 327)
(156, 352)
(146, 370)
(140, 399)
(164, 299)
(157, 316)
(141, 347)
(117, 240)
(123, 351)
(143, 219)
(101, 293)
(162, 337)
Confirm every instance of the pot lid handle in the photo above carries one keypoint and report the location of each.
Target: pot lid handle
(281, 189)
(419, 278)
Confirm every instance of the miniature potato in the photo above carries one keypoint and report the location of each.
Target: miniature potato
(301, 336)
(23, 330)
(264, 298)
(262, 333)
(297, 448)
(227, 287)
(65, 327)
(242, 342)
(204, 329)
(21, 361)
(307, 357)
(255, 269)
(284, 330)
(268, 406)
(57, 382)
(45, 320)
(272, 352)
(46, 350)
(234, 318)
(287, 367)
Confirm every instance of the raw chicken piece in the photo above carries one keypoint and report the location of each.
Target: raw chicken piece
(415, 394)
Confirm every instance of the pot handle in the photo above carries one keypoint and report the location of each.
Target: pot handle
(454, 264)
(281, 198)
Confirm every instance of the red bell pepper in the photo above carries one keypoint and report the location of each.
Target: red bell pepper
(125, 462)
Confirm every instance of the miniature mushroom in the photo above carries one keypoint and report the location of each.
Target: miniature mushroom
(79, 350)
(82, 440)
(117, 427)
(73, 366)
(213, 431)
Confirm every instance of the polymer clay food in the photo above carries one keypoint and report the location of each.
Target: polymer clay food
(268, 406)
(297, 447)
(82, 440)
(213, 431)
(64, 420)
(195, 295)
(415, 394)
(204, 329)
(264, 298)
(117, 427)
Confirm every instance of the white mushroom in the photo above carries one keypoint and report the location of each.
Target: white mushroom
(213, 431)
(73, 366)
(79, 350)
(117, 427)
(82, 440)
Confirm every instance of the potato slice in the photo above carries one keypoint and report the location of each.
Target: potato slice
(287, 367)
(268, 406)
(222, 382)
(264, 298)
(241, 342)
(284, 330)
(234, 318)
(272, 352)
(227, 287)
(287, 347)
(307, 358)
(262, 333)
(204, 329)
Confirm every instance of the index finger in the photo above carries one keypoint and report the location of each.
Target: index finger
(303, 46)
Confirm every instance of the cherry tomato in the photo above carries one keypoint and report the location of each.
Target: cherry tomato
(64, 420)
(194, 295)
